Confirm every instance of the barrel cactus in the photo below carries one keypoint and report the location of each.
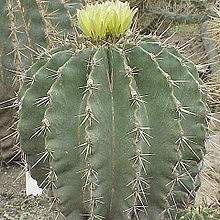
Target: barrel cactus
(28, 29)
(116, 123)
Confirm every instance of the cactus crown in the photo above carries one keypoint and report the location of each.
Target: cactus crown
(108, 19)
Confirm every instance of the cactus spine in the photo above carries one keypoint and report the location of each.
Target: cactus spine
(119, 126)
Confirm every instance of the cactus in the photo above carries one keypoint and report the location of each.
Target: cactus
(164, 14)
(29, 29)
(194, 213)
(28, 25)
(116, 125)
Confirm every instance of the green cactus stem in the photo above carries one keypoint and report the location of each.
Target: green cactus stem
(29, 30)
(194, 213)
(40, 98)
(28, 26)
(115, 129)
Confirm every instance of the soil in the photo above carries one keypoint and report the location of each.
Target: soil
(209, 192)
(15, 205)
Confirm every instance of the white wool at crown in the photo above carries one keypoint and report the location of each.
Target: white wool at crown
(31, 185)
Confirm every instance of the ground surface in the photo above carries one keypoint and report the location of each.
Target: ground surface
(14, 205)
(209, 193)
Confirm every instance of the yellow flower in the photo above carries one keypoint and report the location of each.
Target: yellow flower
(106, 19)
